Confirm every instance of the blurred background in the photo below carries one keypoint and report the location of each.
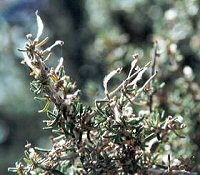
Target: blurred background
(99, 36)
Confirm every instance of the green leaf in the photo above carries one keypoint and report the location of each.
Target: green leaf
(46, 107)
(28, 161)
(150, 137)
(135, 121)
(12, 169)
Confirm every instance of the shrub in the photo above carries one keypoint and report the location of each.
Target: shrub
(126, 132)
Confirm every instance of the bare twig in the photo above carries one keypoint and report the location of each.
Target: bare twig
(156, 54)
(141, 89)
(126, 81)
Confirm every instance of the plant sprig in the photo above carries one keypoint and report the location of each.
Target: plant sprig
(110, 138)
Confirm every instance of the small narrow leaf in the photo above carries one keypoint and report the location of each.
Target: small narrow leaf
(43, 42)
(46, 107)
(40, 98)
(12, 169)
(48, 57)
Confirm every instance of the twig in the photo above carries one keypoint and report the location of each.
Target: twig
(127, 80)
(141, 89)
(156, 54)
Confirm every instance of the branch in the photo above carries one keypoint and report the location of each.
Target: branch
(141, 89)
(156, 54)
(126, 81)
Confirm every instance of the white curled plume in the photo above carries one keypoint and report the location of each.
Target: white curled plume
(59, 65)
(58, 42)
(40, 26)
(108, 77)
(117, 112)
(133, 64)
(27, 61)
